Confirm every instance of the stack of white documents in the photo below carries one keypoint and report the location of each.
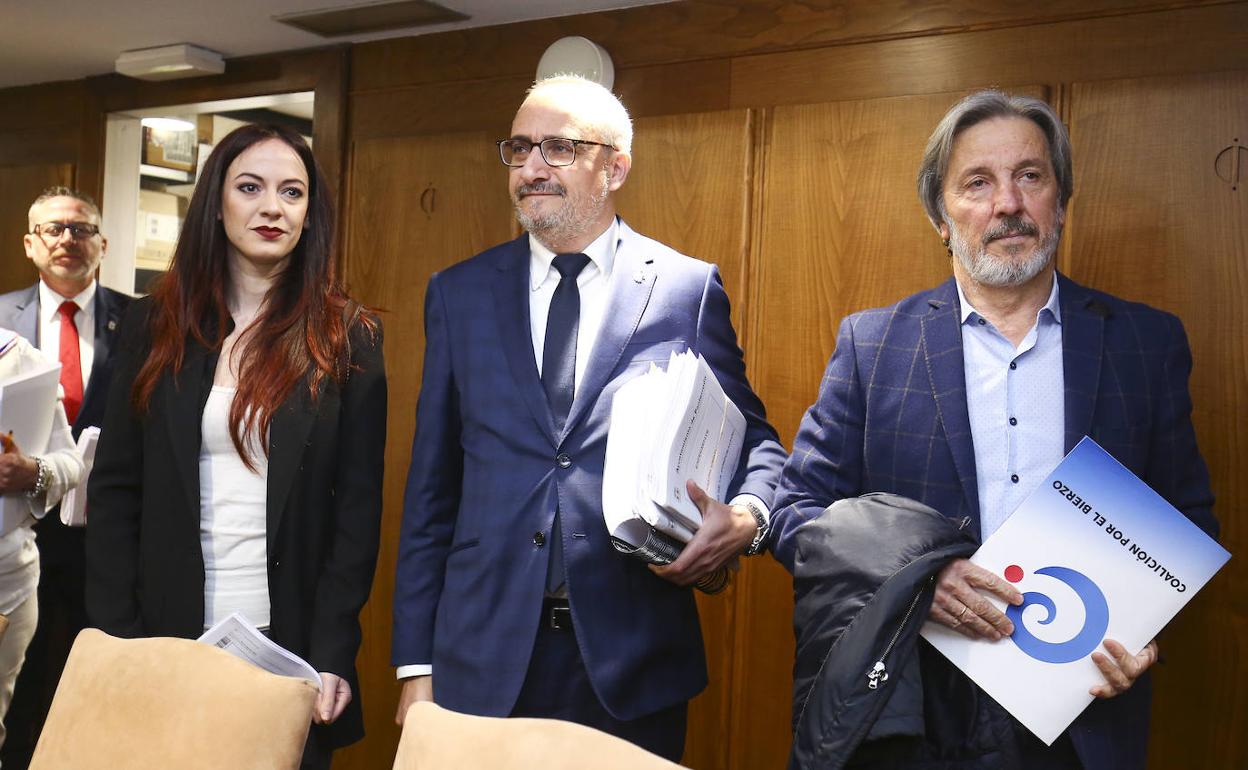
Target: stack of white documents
(667, 427)
(27, 403)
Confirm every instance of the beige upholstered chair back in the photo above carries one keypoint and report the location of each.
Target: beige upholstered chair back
(160, 704)
(437, 739)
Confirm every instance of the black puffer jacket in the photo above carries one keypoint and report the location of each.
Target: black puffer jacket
(862, 576)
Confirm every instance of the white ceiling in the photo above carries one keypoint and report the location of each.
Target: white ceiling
(48, 40)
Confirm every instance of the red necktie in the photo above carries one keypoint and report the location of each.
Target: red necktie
(71, 360)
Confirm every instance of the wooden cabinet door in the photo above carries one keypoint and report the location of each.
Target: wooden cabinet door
(416, 205)
(1160, 215)
(19, 186)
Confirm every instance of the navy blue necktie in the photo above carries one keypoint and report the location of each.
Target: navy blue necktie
(559, 374)
(559, 351)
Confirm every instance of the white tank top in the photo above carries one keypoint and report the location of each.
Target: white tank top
(232, 519)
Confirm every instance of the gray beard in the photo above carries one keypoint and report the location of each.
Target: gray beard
(989, 270)
(570, 220)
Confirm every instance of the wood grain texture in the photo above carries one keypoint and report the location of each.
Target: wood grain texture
(19, 186)
(703, 29)
(689, 188)
(1164, 42)
(418, 205)
(1153, 221)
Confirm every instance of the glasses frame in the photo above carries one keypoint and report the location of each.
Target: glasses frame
(74, 229)
(541, 149)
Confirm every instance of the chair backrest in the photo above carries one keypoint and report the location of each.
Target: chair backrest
(148, 704)
(437, 739)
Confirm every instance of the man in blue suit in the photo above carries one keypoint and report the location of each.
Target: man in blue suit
(966, 396)
(66, 246)
(509, 598)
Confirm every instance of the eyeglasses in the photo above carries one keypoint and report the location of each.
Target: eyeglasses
(79, 231)
(556, 151)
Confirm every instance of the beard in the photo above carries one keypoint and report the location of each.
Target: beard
(1015, 270)
(576, 212)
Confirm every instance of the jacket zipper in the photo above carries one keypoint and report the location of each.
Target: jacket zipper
(878, 674)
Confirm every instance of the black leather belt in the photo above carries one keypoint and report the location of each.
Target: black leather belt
(557, 614)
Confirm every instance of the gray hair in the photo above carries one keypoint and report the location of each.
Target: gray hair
(976, 108)
(596, 108)
(60, 191)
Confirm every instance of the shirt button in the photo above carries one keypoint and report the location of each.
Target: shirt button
(563, 461)
(1013, 421)
(1013, 365)
(982, 322)
(539, 539)
(1014, 478)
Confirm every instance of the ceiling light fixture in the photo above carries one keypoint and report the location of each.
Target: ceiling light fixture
(577, 55)
(170, 62)
(168, 124)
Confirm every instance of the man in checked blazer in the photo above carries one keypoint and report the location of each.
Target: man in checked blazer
(509, 598)
(966, 396)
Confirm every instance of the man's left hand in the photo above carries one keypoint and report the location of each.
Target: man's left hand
(1120, 668)
(726, 531)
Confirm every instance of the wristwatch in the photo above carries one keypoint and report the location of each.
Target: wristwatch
(760, 537)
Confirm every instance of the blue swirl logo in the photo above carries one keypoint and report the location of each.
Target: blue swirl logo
(1095, 622)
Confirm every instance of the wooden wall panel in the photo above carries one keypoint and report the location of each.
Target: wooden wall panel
(1184, 40)
(19, 186)
(1156, 218)
(690, 188)
(706, 29)
(418, 205)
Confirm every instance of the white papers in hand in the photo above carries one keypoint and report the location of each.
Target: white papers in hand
(667, 427)
(27, 404)
(237, 636)
(74, 503)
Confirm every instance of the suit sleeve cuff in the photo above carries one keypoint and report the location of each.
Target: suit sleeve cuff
(416, 669)
(744, 498)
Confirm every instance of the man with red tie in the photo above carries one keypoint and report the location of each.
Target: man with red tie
(73, 320)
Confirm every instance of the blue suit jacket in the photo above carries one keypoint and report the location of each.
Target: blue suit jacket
(19, 311)
(484, 481)
(892, 417)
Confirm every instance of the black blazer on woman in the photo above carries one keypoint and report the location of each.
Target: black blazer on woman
(145, 566)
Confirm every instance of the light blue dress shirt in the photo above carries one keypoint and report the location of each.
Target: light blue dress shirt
(1016, 401)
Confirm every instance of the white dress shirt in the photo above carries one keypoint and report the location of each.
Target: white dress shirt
(50, 326)
(1015, 398)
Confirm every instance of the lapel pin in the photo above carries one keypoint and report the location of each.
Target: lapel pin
(112, 325)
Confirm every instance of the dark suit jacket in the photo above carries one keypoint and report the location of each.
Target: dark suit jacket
(145, 566)
(486, 477)
(19, 311)
(892, 417)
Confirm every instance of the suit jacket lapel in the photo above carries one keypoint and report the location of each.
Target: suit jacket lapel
(107, 319)
(632, 282)
(942, 350)
(26, 321)
(288, 435)
(1083, 331)
(511, 303)
(185, 395)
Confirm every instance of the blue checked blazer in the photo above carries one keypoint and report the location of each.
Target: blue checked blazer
(891, 417)
(489, 469)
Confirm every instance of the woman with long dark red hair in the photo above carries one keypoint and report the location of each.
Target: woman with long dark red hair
(240, 460)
